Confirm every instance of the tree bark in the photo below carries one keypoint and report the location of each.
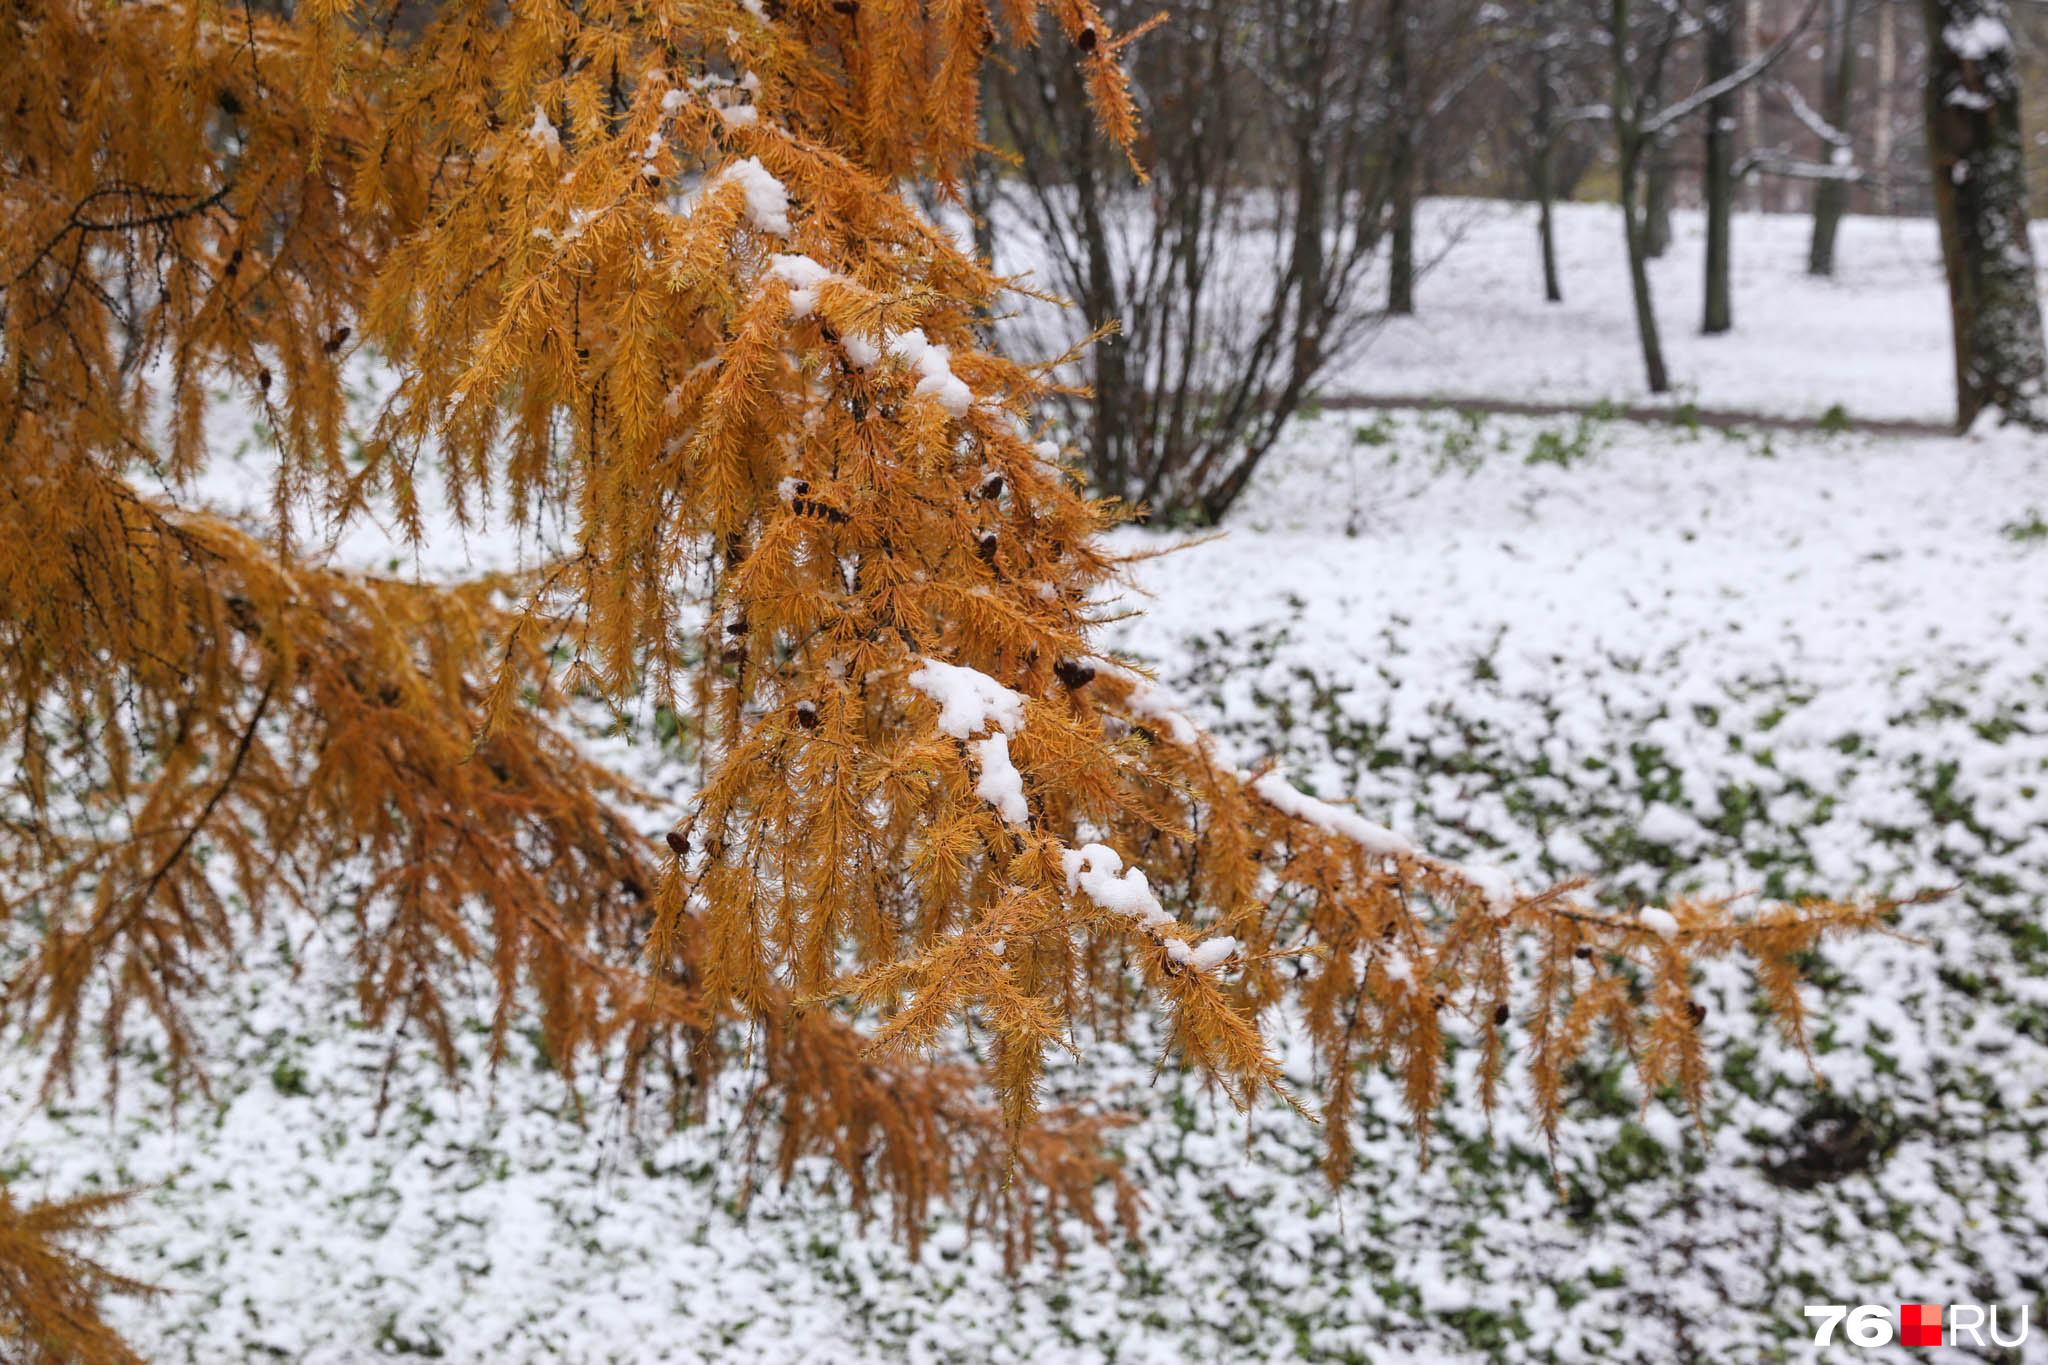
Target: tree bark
(1718, 188)
(1546, 178)
(1882, 133)
(1657, 200)
(1401, 246)
(1629, 145)
(1980, 201)
(1752, 102)
(1831, 197)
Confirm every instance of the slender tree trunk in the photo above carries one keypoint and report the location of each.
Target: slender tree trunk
(1110, 436)
(1882, 134)
(1838, 87)
(1980, 202)
(1657, 200)
(1639, 273)
(1401, 246)
(1752, 102)
(1629, 144)
(1546, 178)
(981, 207)
(1718, 178)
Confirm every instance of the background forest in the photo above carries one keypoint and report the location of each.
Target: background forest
(795, 680)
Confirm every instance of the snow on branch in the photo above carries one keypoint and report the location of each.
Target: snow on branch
(968, 699)
(1094, 868)
(1734, 80)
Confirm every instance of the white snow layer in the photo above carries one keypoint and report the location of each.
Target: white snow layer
(1977, 38)
(767, 200)
(968, 698)
(803, 276)
(1000, 784)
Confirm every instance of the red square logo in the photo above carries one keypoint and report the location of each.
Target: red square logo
(1920, 1324)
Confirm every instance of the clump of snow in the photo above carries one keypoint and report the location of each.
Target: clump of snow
(1400, 969)
(1495, 886)
(767, 199)
(1659, 922)
(1094, 870)
(739, 115)
(1975, 39)
(1665, 824)
(968, 699)
(934, 363)
(1376, 839)
(803, 276)
(1000, 784)
(673, 100)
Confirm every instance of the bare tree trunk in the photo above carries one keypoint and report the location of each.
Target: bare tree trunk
(1109, 436)
(1752, 100)
(1719, 182)
(1657, 200)
(1401, 247)
(1980, 201)
(1882, 134)
(1546, 176)
(1629, 144)
(1831, 197)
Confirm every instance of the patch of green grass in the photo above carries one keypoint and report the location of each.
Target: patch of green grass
(2026, 531)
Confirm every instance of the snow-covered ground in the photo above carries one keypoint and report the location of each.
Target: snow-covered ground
(1802, 664)
(1873, 339)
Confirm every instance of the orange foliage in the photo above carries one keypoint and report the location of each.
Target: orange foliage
(643, 271)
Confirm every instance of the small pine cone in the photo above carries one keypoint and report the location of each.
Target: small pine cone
(736, 626)
(679, 843)
(1699, 1013)
(992, 486)
(986, 541)
(263, 379)
(799, 487)
(1500, 1015)
(807, 714)
(1074, 674)
(335, 342)
(1086, 42)
(1583, 953)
